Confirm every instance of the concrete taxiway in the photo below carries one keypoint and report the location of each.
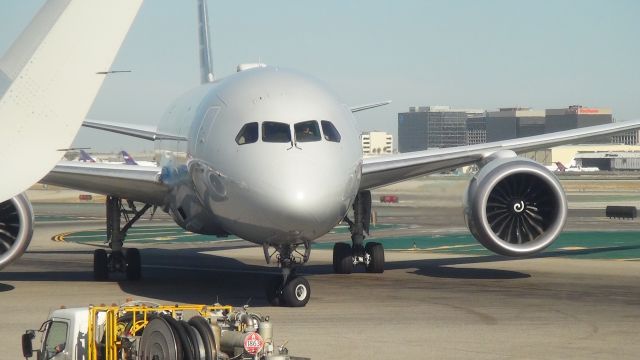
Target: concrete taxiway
(427, 304)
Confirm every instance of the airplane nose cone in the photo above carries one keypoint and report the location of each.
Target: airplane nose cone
(292, 197)
(310, 202)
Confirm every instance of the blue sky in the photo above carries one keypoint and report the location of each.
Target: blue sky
(480, 54)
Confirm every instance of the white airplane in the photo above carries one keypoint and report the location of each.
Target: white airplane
(49, 78)
(273, 156)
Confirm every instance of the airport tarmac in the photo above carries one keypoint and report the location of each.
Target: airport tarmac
(429, 303)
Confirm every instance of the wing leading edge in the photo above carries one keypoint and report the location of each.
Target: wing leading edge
(140, 131)
(380, 171)
(137, 183)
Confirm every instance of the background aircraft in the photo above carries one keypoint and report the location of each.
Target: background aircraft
(126, 159)
(129, 160)
(273, 156)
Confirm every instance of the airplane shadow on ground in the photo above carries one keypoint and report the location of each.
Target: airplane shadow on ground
(188, 276)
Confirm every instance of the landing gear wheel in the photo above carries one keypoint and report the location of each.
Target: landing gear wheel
(132, 257)
(274, 291)
(100, 265)
(296, 292)
(376, 257)
(342, 258)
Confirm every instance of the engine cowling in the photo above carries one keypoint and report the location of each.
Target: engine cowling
(16, 228)
(515, 206)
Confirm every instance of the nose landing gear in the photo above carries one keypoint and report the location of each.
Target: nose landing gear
(289, 289)
(371, 255)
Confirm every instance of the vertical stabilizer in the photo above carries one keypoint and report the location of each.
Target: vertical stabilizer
(127, 158)
(206, 64)
(55, 71)
(26, 44)
(84, 157)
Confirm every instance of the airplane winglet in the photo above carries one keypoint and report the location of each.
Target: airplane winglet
(369, 106)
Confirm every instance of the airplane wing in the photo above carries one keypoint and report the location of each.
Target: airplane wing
(384, 170)
(139, 131)
(49, 79)
(137, 183)
(369, 106)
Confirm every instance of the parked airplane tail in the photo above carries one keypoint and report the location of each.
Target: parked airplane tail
(86, 157)
(127, 158)
(561, 167)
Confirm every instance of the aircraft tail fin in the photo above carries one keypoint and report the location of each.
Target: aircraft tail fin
(561, 166)
(206, 63)
(86, 157)
(23, 48)
(127, 158)
(54, 72)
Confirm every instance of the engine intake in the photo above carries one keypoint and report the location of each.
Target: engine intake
(515, 206)
(16, 228)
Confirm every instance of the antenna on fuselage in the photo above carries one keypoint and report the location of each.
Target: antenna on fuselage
(206, 64)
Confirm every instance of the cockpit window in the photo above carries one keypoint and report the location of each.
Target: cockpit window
(248, 134)
(330, 131)
(276, 132)
(307, 131)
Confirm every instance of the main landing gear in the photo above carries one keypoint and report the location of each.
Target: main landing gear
(118, 259)
(371, 255)
(289, 289)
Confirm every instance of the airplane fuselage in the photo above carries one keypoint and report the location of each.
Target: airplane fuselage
(262, 161)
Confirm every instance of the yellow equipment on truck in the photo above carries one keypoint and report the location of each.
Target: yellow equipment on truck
(147, 331)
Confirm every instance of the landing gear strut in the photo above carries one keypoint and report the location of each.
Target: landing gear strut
(289, 289)
(118, 259)
(371, 255)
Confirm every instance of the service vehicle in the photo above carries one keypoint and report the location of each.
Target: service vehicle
(148, 331)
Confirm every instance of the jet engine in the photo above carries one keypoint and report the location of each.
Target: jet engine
(515, 206)
(16, 228)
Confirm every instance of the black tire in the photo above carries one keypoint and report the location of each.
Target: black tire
(296, 292)
(342, 258)
(376, 253)
(100, 265)
(181, 337)
(191, 345)
(134, 269)
(204, 329)
(197, 341)
(273, 291)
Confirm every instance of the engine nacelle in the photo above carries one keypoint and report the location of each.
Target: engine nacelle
(515, 206)
(16, 228)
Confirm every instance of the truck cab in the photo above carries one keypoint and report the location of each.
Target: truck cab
(64, 336)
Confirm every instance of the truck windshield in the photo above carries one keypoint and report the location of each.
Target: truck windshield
(56, 339)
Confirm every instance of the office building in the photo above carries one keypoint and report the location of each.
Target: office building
(574, 117)
(511, 123)
(433, 127)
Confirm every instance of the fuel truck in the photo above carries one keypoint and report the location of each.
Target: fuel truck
(148, 331)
